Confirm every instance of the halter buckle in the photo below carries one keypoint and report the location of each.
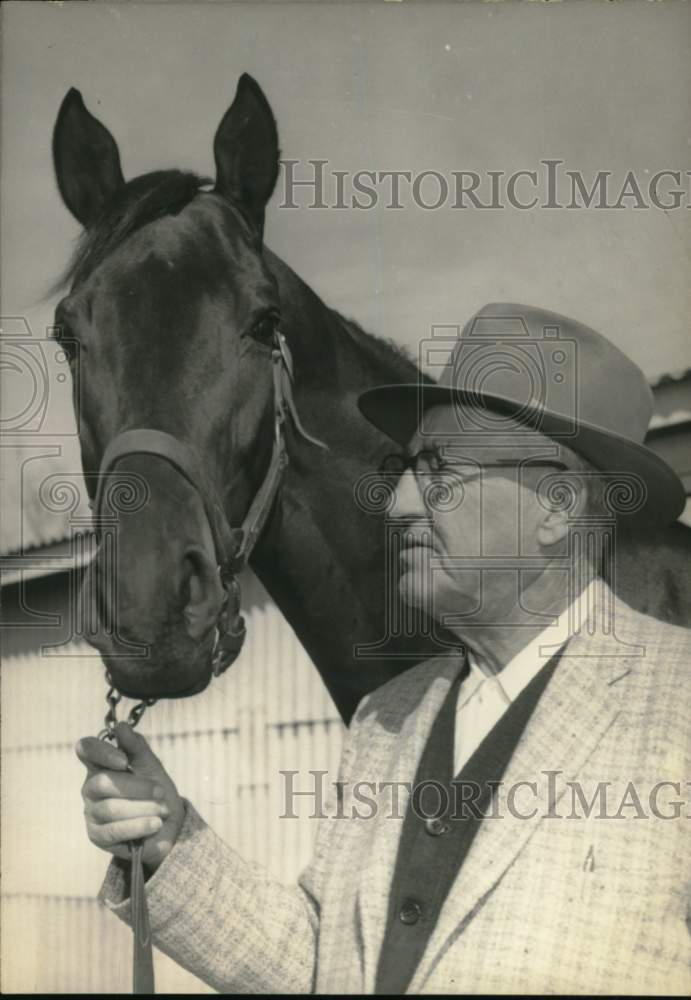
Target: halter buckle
(230, 627)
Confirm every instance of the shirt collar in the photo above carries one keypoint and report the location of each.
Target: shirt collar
(519, 671)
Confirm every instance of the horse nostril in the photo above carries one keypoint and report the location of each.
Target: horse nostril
(198, 564)
(202, 591)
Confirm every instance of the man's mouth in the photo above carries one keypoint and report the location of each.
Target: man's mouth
(416, 538)
(412, 548)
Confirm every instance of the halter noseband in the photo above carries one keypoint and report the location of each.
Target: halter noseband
(233, 546)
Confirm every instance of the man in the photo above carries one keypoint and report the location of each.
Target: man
(524, 830)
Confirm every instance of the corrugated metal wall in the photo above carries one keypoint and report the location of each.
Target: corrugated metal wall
(224, 748)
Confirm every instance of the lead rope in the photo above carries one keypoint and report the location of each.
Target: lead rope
(142, 953)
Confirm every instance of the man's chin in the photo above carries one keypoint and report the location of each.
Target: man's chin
(414, 592)
(442, 600)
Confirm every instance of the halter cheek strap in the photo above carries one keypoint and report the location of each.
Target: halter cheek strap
(233, 546)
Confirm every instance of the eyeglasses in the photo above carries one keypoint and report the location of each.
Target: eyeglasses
(431, 467)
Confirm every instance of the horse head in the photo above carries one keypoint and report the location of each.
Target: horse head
(183, 381)
(170, 324)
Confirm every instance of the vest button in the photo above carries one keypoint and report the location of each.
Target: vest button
(435, 826)
(410, 912)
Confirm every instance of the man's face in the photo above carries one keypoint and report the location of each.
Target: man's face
(470, 520)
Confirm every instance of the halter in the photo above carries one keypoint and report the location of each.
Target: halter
(233, 546)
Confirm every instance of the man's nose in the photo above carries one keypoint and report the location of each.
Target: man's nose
(407, 498)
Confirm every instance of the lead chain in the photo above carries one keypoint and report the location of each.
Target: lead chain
(110, 720)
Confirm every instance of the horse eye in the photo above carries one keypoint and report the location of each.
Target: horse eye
(263, 331)
(66, 341)
(394, 464)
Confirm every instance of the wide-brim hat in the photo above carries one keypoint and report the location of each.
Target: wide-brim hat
(547, 373)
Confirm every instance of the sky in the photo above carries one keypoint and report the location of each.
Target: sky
(388, 86)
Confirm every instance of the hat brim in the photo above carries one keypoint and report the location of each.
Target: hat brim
(397, 411)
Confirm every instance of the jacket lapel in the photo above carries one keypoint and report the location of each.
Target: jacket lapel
(577, 708)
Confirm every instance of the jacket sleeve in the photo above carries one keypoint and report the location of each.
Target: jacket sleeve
(227, 920)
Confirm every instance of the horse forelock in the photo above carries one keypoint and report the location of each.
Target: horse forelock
(141, 201)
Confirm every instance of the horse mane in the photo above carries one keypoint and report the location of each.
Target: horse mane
(142, 200)
(396, 360)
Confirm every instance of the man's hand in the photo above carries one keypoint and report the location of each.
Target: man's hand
(120, 805)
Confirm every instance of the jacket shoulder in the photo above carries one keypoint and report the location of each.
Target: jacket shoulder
(390, 703)
(667, 647)
(656, 684)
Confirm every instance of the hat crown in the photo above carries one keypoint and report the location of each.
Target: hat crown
(546, 364)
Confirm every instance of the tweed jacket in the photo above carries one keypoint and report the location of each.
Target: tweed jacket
(578, 882)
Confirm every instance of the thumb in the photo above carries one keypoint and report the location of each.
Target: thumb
(139, 753)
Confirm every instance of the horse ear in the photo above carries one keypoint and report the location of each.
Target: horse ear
(246, 150)
(86, 159)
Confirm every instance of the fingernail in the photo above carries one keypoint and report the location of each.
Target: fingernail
(163, 810)
(120, 760)
(155, 823)
(159, 793)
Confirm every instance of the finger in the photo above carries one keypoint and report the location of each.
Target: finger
(135, 747)
(119, 851)
(97, 753)
(114, 810)
(120, 785)
(118, 834)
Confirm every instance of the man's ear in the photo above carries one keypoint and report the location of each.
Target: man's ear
(570, 500)
(246, 151)
(86, 160)
(553, 528)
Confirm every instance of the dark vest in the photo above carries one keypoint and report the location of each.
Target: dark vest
(444, 814)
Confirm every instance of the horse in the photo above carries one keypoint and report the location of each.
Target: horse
(179, 320)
